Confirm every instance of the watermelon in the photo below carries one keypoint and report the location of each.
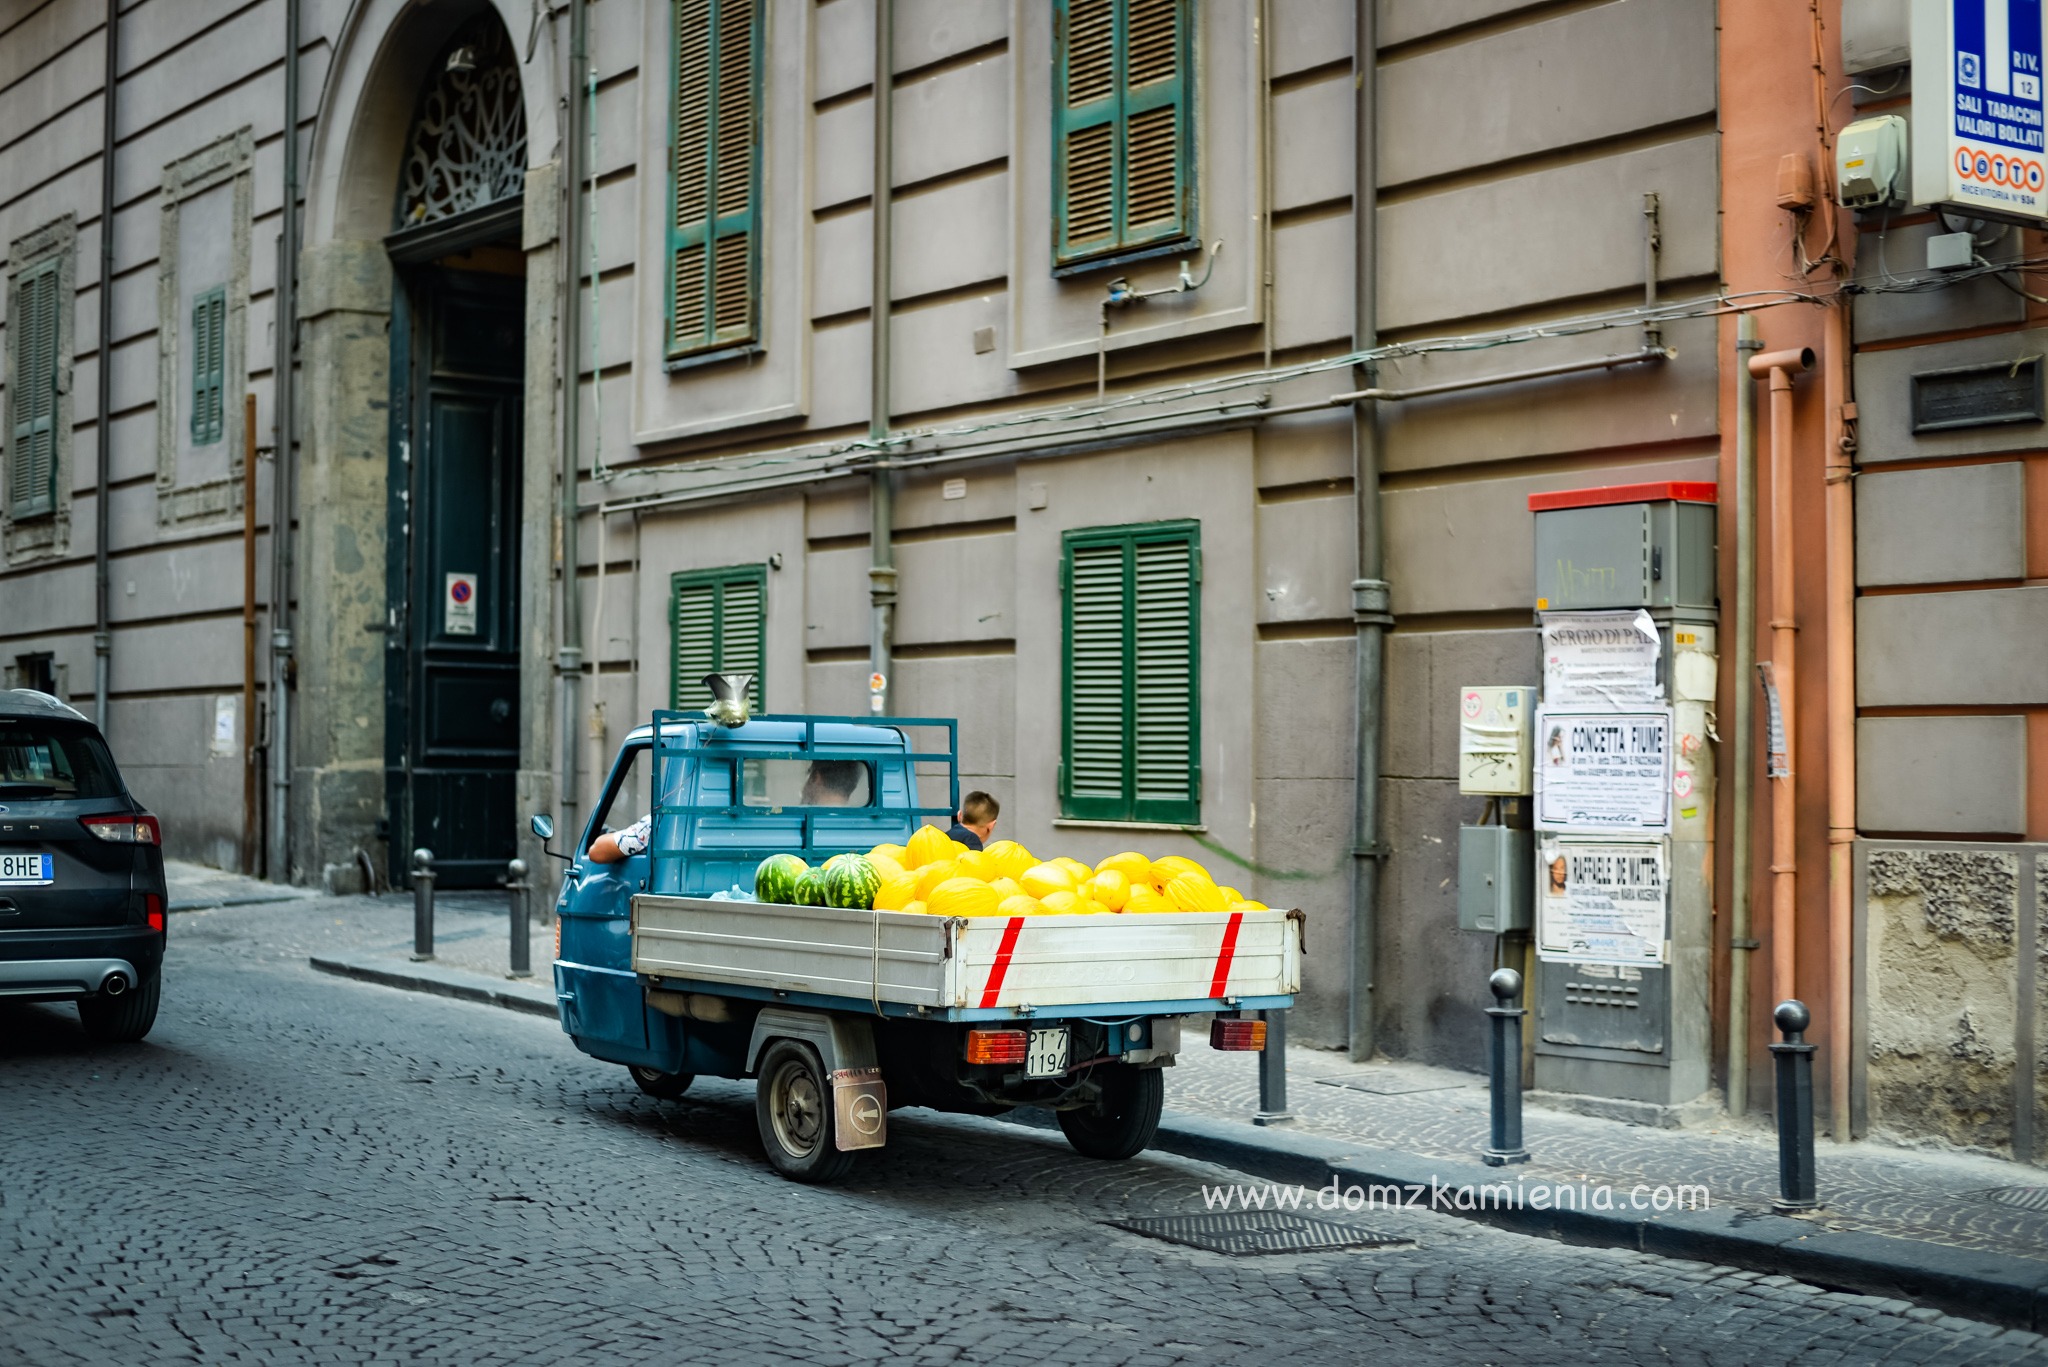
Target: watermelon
(851, 881)
(775, 878)
(810, 888)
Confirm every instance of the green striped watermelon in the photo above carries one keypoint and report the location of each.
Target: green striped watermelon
(775, 878)
(810, 888)
(851, 881)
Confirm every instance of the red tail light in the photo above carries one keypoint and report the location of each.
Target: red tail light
(995, 1046)
(153, 911)
(1236, 1032)
(125, 830)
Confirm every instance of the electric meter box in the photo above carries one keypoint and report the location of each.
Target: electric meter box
(1493, 879)
(1627, 546)
(1870, 163)
(1493, 740)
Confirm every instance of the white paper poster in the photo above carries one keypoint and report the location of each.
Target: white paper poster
(459, 611)
(1603, 659)
(1601, 902)
(1603, 771)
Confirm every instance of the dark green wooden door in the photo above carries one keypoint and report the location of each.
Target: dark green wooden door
(452, 675)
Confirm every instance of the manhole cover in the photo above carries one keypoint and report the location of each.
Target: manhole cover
(1389, 1084)
(2026, 1198)
(1249, 1232)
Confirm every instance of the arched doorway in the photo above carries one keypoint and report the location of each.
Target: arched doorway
(454, 563)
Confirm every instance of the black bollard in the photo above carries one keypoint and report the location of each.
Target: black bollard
(522, 934)
(1504, 1069)
(1273, 1072)
(422, 904)
(1797, 1186)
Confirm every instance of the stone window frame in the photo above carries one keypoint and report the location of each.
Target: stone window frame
(46, 535)
(230, 159)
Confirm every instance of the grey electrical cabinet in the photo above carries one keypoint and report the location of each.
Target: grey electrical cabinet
(1627, 546)
(1493, 879)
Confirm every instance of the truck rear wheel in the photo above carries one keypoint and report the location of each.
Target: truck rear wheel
(1123, 1120)
(793, 1110)
(662, 1086)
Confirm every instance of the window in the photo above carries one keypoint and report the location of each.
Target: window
(719, 621)
(32, 399)
(627, 801)
(38, 759)
(1131, 749)
(209, 353)
(805, 783)
(37, 671)
(1123, 129)
(715, 183)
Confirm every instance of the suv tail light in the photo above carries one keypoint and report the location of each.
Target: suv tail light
(1237, 1033)
(125, 830)
(995, 1046)
(153, 911)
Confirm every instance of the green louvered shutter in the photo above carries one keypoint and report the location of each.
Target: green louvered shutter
(209, 364)
(32, 459)
(719, 619)
(714, 243)
(1123, 127)
(1132, 735)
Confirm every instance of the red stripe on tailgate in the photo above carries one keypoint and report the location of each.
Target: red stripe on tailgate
(1001, 967)
(1225, 955)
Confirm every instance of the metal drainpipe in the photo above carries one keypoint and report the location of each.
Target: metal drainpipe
(277, 858)
(1841, 714)
(102, 633)
(569, 656)
(1742, 745)
(881, 493)
(1369, 597)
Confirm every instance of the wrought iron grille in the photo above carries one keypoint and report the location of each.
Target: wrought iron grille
(467, 147)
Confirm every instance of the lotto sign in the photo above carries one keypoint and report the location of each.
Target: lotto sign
(1992, 154)
(459, 606)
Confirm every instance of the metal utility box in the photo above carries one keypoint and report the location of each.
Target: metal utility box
(1493, 879)
(1627, 546)
(1493, 740)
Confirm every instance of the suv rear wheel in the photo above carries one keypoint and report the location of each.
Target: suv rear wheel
(122, 1019)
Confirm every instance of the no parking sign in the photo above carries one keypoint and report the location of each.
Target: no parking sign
(459, 605)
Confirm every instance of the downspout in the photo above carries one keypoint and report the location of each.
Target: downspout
(1841, 624)
(1369, 597)
(569, 655)
(102, 632)
(881, 493)
(1742, 758)
(1779, 367)
(277, 859)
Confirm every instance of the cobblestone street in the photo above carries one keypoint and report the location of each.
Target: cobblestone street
(297, 1168)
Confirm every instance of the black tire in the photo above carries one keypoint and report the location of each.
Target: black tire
(659, 1085)
(793, 1110)
(123, 1019)
(1123, 1120)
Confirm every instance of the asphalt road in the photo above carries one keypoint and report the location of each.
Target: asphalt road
(296, 1168)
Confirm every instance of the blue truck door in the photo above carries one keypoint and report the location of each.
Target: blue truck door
(601, 1002)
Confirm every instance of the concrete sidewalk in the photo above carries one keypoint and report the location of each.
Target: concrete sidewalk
(1963, 1232)
(195, 887)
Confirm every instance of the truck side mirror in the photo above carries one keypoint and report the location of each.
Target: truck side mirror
(543, 826)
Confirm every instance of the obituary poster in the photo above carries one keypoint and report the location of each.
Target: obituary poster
(1603, 772)
(1601, 902)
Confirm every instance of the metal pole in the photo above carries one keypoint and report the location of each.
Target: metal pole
(1796, 1179)
(881, 493)
(103, 630)
(522, 933)
(422, 904)
(1504, 1070)
(1370, 598)
(277, 857)
(252, 795)
(1742, 758)
(569, 654)
(1273, 1072)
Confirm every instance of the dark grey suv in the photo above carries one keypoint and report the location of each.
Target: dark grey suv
(81, 872)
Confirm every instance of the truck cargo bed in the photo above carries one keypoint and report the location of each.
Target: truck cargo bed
(971, 968)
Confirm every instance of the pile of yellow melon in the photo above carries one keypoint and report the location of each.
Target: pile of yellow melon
(937, 875)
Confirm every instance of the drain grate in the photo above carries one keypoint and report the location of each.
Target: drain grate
(2025, 1198)
(1389, 1084)
(1244, 1233)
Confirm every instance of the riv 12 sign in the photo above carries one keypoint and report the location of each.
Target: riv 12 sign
(1996, 157)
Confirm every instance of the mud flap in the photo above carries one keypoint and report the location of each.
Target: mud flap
(860, 1105)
